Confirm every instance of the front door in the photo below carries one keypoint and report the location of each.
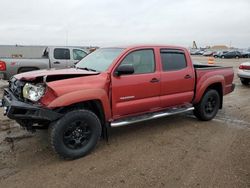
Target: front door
(60, 58)
(137, 92)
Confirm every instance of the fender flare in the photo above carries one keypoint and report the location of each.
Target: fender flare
(205, 83)
(82, 96)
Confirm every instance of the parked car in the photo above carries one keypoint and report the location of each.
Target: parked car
(197, 52)
(208, 53)
(52, 57)
(232, 54)
(114, 87)
(244, 73)
(245, 54)
(219, 54)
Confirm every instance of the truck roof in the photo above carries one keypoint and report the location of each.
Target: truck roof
(148, 46)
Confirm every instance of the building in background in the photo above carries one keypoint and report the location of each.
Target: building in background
(219, 48)
(17, 51)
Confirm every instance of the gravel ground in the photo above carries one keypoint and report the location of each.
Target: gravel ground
(177, 151)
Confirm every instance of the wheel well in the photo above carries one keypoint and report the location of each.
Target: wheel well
(26, 69)
(94, 105)
(218, 88)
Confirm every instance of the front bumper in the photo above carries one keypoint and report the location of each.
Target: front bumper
(17, 110)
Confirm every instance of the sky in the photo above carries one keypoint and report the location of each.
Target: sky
(127, 22)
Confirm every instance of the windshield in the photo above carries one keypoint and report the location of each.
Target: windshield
(100, 59)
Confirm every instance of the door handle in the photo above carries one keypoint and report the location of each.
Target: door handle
(56, 62)
(187, 76)
(154, 80)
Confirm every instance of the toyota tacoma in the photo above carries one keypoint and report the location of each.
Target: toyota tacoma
(114, 87)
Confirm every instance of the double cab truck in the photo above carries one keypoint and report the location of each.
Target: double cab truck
(52, 57)
(114, 87)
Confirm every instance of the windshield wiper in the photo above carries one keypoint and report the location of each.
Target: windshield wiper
(85, 68)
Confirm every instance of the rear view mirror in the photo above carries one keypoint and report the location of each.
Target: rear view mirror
(125, 69)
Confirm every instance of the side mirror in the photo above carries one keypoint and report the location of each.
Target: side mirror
(125, 69)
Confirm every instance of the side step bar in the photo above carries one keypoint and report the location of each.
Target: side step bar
(149, 116)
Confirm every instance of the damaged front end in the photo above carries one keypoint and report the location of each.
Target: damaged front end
(28, 95)
(28, 114)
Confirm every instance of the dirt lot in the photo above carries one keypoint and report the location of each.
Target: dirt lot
(177, 151)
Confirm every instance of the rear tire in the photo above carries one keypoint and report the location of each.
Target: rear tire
(75, 134)
(208, 106)
(245, 81)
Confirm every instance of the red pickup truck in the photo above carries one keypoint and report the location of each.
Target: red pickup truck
(114, 87)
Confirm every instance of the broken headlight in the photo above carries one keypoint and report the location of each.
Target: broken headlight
(33, 92)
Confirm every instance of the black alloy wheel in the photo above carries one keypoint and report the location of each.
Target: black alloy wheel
(75, 134)
(209, 105)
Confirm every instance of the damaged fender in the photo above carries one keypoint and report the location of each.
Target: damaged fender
(81, 96)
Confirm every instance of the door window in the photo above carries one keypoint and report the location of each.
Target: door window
(61, 53)
(173, 60)
(78, 54)
(142, 60)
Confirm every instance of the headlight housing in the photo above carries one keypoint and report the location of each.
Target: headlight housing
(33, 92)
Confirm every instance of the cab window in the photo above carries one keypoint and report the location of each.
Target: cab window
(78, 54)
(173, 60)
(142, 60)
(61, 53)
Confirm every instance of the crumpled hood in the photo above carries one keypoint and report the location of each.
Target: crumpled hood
(29, 76)
(63, 86)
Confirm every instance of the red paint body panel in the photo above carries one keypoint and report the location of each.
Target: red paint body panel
(175, 89)
(142, 95)
(80, 89)
(205, 78)
(129, 95)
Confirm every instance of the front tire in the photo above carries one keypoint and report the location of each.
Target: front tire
(75, 134)
(208, 106)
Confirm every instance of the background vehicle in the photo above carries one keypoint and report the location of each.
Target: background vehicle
(52, 57)
(219, 54)
(245, 54)
(244, 73)
(114, 87)
(232, 54)
(197, 52)
(208, 53)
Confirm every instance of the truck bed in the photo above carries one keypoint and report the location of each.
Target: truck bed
(202, 66)
(14, 64)
(207, 74)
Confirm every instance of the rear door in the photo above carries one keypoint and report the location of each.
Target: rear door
(60, 57)
(138, 92)
(177, 78)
